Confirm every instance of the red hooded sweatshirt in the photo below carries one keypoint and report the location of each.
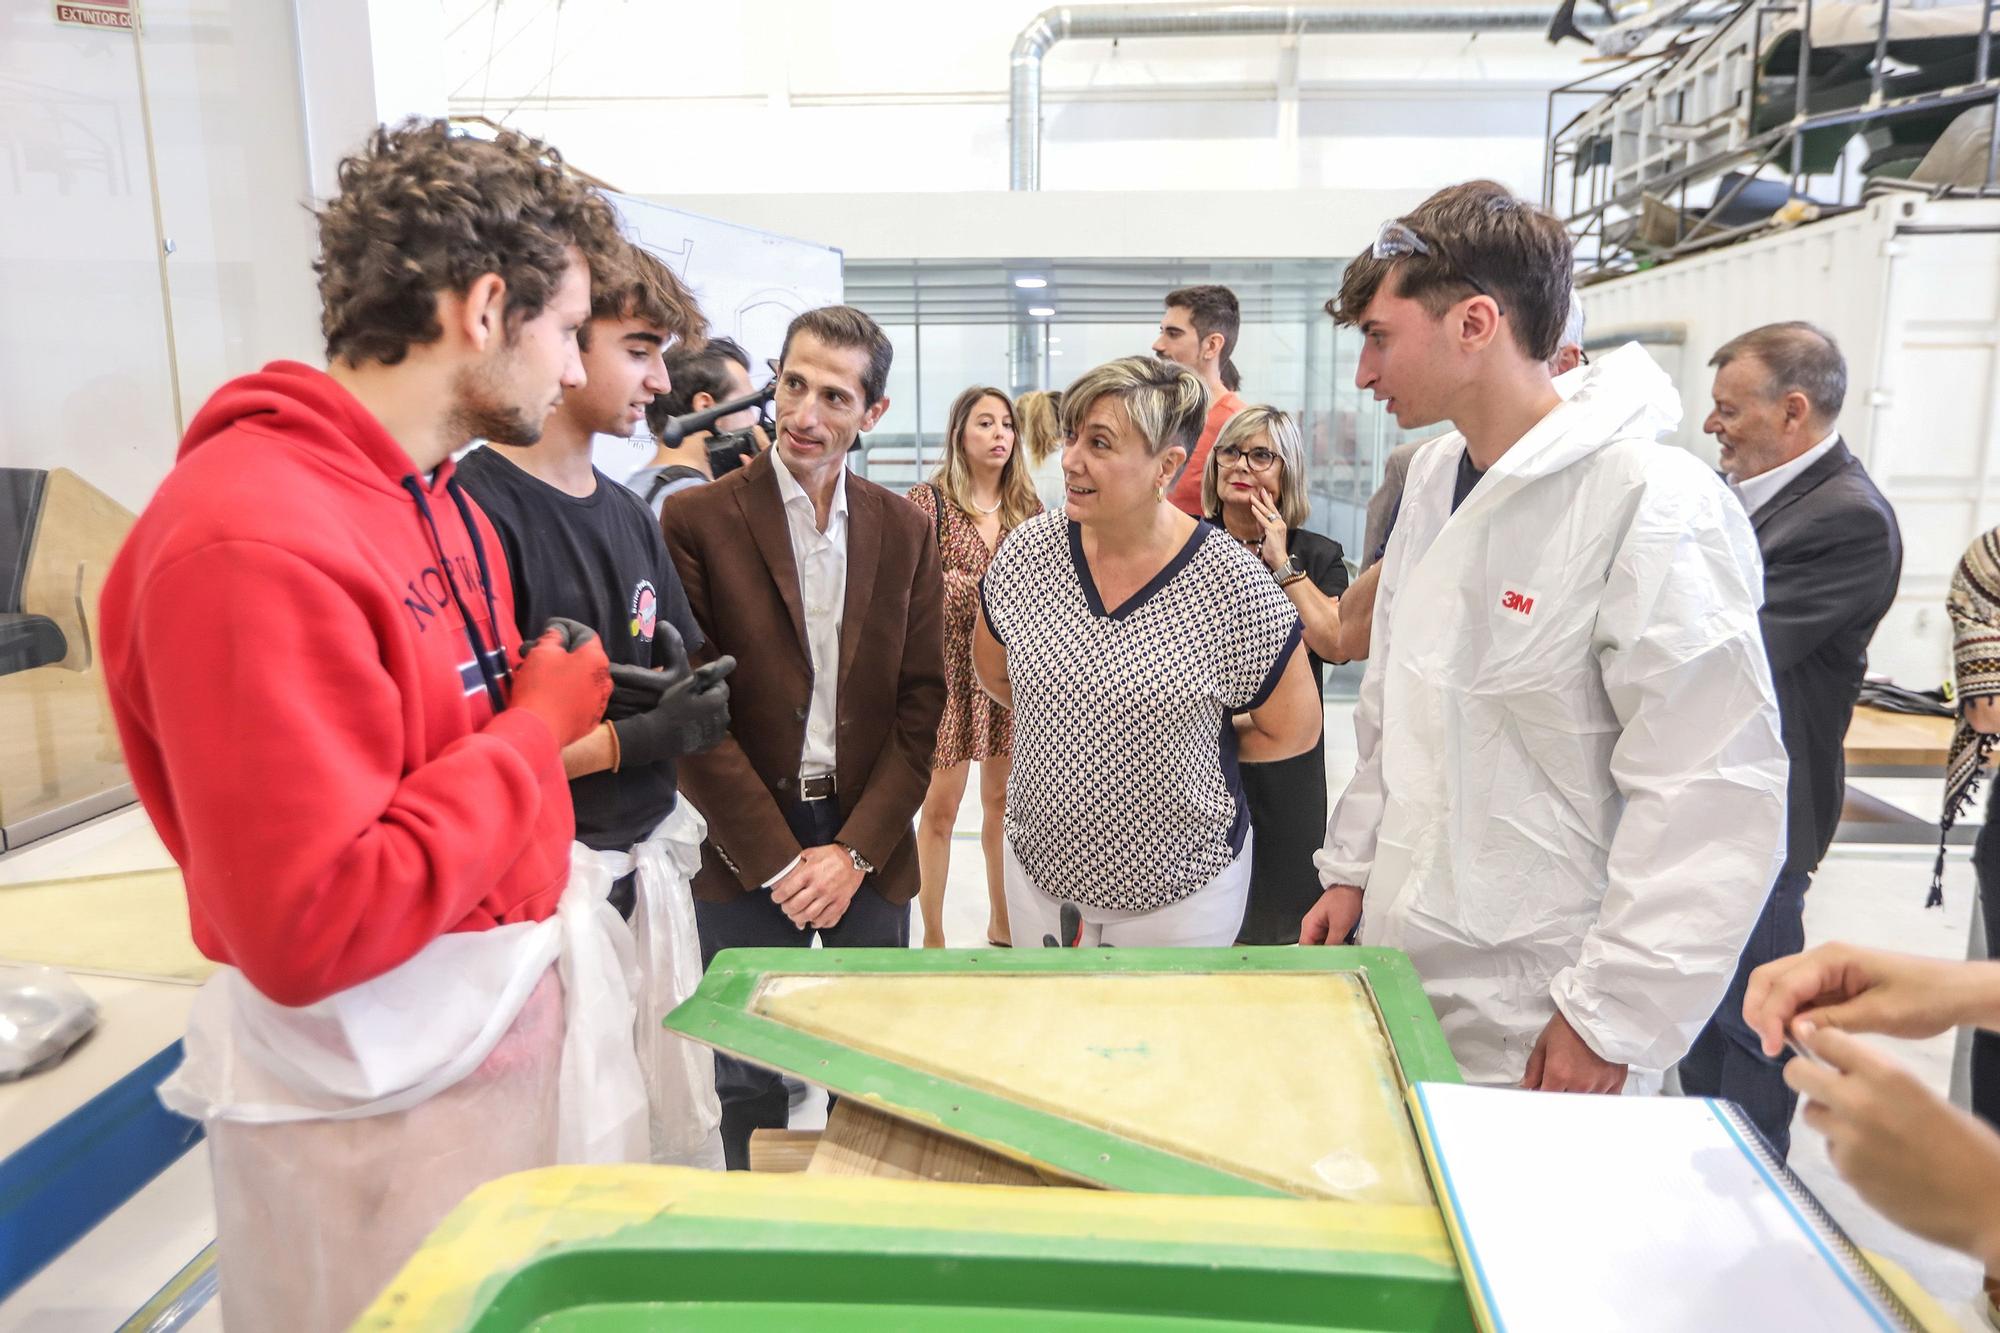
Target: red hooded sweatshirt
(286, 646)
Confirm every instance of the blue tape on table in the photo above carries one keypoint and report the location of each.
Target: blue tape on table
(84, 1167)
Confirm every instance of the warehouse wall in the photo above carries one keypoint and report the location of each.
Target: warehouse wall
(155, 232)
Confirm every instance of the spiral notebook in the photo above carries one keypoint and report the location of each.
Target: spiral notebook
(1641, 1214)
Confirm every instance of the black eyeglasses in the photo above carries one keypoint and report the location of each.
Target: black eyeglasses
(1259, 459)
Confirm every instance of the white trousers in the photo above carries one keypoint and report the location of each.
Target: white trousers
(1208, 918)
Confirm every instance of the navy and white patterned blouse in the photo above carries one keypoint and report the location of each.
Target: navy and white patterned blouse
(1124, 792)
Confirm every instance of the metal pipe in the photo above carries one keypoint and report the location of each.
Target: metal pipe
(1992, 150)
(1065, 22)
(1881, 56)
(1993, 124)
(1985, 40)
(1801, 75)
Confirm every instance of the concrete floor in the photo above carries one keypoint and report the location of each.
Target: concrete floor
(1866, 894)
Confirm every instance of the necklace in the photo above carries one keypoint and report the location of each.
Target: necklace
(982, 509)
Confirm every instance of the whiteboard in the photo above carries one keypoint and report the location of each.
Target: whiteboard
(750, 284)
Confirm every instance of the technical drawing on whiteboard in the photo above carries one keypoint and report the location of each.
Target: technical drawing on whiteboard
(750, 284)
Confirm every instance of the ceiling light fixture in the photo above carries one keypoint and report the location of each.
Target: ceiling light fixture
(1041, 311)
(1031, 284)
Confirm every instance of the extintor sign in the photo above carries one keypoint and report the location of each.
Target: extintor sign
(99, 13)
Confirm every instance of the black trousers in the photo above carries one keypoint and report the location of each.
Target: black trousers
(752, 1096)
(1287, 801)
(1986, 1045)
(1727, 1060)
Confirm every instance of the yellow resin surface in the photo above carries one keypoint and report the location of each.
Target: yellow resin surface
(1285, 1079)
(130, 925)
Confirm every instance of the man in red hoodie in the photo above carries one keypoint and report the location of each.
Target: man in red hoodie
(311, 653)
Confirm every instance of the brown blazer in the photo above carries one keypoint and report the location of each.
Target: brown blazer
(734, 551)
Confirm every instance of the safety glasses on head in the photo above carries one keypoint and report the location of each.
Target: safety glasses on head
(1399, 240)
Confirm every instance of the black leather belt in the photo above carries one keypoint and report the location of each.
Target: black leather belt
(818, 788)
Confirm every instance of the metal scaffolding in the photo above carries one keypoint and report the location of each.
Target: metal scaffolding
(1695, 103)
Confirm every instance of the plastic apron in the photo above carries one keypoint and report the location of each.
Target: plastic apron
(342, 1132)
(679, 1074)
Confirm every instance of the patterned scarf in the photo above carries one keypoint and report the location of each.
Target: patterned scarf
(1974, 606)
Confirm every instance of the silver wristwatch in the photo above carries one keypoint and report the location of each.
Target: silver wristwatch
(1291, 569)
(861, 863)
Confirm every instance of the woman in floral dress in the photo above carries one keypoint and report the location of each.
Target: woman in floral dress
(980, 493)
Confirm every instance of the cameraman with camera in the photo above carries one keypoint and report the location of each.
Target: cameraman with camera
(703, 378)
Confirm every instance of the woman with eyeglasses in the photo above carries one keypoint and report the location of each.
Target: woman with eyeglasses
(1255, 490)
(1144, 653)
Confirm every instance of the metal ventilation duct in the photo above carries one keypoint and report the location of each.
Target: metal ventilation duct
(1208, 20)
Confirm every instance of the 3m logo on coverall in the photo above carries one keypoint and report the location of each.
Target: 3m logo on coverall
(1521, 603)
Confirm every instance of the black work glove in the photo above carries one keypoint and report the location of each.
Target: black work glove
(634, 690)
(691, 716)
(637, 689)
(574, 633)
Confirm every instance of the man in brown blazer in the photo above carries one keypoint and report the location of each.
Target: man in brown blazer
(826, 589)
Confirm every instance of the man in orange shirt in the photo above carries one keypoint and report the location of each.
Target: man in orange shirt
(1199, 332)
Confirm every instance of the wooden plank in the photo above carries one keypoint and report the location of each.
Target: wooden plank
(861, 1141)
(1880, 738)
(782, 1150)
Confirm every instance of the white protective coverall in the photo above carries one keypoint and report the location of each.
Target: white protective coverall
(1571, 784)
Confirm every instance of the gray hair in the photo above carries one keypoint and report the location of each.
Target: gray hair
(1293, 503)
(1797, 358)
(1572, 335)
(1165, 403)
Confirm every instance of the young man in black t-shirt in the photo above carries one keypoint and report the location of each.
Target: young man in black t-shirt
(580, 546)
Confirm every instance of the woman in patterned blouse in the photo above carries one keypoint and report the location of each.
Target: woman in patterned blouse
(980, 493)
(1142, 651)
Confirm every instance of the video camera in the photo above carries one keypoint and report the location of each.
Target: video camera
(732, 449)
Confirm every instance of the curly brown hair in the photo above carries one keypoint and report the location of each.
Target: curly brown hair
(422, 210)
(1481, 239)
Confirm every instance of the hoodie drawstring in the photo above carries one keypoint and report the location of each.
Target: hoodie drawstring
(457, 494)
(480, 657)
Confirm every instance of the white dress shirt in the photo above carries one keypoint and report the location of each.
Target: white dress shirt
(821, 558)
(1756, 492)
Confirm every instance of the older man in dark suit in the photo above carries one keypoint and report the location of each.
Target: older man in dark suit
(826, 589)
(1832, 558)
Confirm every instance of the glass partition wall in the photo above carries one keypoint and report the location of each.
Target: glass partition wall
(1037, 324)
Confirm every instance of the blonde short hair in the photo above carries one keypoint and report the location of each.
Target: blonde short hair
(1243, 428)
(1165, 403)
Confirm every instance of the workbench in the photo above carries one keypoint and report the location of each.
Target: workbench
(1882, 744)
